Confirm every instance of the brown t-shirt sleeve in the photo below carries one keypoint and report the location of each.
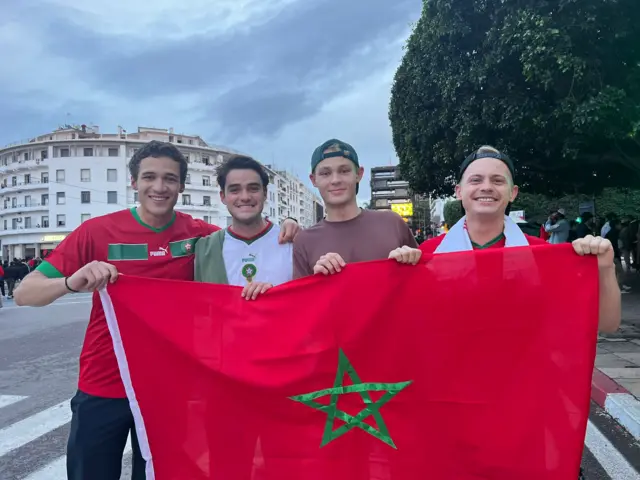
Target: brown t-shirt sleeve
(409, 238)
(404, 233)
(301, 267)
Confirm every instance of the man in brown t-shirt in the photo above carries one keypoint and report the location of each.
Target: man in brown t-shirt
(348, 233)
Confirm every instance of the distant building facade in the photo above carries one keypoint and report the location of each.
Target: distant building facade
(52, 183)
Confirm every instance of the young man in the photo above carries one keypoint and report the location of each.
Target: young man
(151, 240)
(247, 253)
(347, 233)
(486, 187)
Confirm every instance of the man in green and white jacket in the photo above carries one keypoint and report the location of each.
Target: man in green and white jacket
(248, 252)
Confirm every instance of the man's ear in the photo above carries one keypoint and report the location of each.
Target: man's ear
(514, 193)
(312, 177)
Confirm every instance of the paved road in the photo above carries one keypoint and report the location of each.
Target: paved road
(38, 369)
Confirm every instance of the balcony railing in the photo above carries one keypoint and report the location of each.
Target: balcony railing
(196, 206)
(25, 205)
(21, 229)
(30, 185)
(22, 164)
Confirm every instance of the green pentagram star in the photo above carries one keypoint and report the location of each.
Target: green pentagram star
(372, 408)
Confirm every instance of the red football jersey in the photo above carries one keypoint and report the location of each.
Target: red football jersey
(135, 248)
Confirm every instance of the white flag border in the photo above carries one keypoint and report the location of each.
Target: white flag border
(123, 365)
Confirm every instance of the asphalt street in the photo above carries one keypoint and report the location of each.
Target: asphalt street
(39, 350)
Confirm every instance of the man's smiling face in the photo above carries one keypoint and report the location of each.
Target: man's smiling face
(244, 195)
(486, 187)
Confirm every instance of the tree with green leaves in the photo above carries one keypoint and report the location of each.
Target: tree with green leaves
(554, 84)
(452, 212)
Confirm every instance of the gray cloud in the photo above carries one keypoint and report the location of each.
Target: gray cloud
(275, 88)
(253, 80)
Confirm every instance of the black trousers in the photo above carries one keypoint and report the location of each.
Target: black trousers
(11, 283)
(99, 431)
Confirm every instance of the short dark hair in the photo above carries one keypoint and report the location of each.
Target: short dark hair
(240, 162)
(158, 149)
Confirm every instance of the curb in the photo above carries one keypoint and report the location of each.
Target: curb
(617, 402)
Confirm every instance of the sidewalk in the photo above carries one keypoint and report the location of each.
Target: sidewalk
(616, 378)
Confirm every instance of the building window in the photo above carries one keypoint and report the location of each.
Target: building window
(206, 201)
(14, 202)
(88, 152)
(14, 181)
(44, 177)
(85, 175)
(206, 181)
(112, 175)
(14, 223)
(207, 219)
(135, 197)
(27, 178)
(26, 156)
(27, 222)
(27, 200)
(44, 154)
(61, 220)
(205, 160)
(45, 221)
(85, 197)
(60, 198)
(44, 199)
(59, 176)
(84, 217)
(188, 178)
(112, 197)
(64, 152)
(113, 152)
(186, 199)
(5, 224)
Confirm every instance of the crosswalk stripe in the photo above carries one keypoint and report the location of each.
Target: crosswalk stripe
(33, 427)
(58, 468)
(608, 456)
(6, 400)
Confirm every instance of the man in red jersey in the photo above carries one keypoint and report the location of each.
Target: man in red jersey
(151, 240)
(486, 188)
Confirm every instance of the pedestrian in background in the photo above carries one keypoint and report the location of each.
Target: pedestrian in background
(613, 235)
(558, 227)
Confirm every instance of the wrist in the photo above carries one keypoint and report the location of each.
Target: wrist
(69, 287)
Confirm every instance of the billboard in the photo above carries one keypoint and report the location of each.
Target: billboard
(403, 209)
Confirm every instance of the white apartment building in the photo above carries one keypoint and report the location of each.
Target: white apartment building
(52, 183)
(292, 198)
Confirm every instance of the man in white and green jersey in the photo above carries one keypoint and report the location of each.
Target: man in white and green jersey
(247, 253)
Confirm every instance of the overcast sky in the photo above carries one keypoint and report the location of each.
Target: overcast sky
(273, 78)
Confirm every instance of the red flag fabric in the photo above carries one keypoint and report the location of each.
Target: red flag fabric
(468, 366)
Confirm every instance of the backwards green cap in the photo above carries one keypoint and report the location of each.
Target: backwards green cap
(343, 150)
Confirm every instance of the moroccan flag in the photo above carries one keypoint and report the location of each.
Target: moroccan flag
(468, 366)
